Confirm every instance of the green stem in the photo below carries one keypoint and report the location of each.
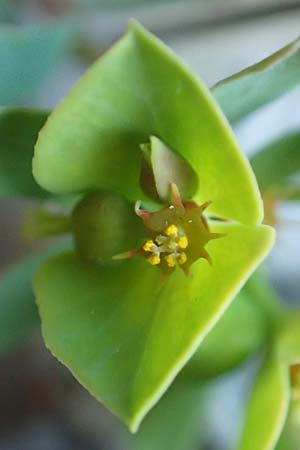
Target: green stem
(41, 223)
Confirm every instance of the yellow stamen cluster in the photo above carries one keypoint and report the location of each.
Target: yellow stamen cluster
(168, 246)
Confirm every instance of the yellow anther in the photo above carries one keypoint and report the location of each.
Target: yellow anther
(171, 230)
(182, 258)
(183, 242)
(154, 260)
(170, 260)
(148, 246)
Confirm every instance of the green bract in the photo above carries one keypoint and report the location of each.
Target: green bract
(139, 89)
(277, 390)
(123, 332)
(269, 402)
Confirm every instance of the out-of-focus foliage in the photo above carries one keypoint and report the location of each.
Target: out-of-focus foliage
(6, 10)
(18, 132)
(246, 91)
(28, 56)
(18, 311)
(240, 332)
(277, 167)
(114, 3)
(176, 422)
(268, 407)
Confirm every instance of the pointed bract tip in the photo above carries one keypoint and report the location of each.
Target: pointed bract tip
(141, 212)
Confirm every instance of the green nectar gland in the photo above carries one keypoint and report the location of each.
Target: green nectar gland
(178, 235)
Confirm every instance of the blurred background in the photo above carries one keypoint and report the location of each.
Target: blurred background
(45, 46)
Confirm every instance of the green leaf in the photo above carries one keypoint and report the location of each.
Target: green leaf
(18, 132)
(275, 164)
(18, 312)
(138, 89)
(123, 334)
(6, 10)
(268, 407)
(28, 56)
(176, 422)
(264, 296)
(239, 333)
(254, 87)
(290, 436)
(288, 345)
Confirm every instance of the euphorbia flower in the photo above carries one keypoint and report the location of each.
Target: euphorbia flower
(179, 233)
(123, 333)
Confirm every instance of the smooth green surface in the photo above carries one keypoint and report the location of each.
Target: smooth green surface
(18, 132)
(176, 422)
(254, 87)
(6, 10)
(18, 312)
(123, 334)
(289, 339)
(239, 333)
(268, 407)
(28, 57)
(261, 292)
(138, 89)
(275, 164)
(104, 225)
(290, 436)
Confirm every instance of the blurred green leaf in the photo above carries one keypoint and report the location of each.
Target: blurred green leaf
(109, 4)
(6, 10)
(18, 133)
(18, 311)
(248, 90)
(288, 345)
(239, 333)
(291, 433)
(268, 407)
(28, 56)
(259, 289)
(176, 422)
(276, 164)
